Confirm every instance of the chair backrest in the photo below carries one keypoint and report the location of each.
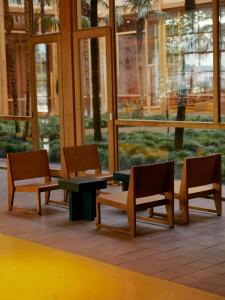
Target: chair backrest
(27, 165)
(202, 170)
(81, 158)
(148, 180)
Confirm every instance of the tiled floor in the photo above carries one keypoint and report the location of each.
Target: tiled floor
(32, 271)
(193, 255)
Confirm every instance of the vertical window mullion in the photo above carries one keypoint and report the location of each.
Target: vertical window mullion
(216, 62)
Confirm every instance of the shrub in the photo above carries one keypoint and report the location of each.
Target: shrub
(135, 146)
(88, 121)
(54, 151)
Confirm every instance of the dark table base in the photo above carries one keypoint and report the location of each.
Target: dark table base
(82, 205)
(82, 196)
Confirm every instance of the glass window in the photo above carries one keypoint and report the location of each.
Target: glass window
(165, 62)
(14, 59)
(149, 145)
(222, 59)
(45, 16)
(94, 94)
(47, 93)
(92, 13)
(13, 141)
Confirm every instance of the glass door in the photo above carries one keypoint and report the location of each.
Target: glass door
(93, 91)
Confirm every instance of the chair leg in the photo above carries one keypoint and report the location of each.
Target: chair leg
(98, 214)
(66, 195)
(184, 211)
(10, 199)
(151, 212)
(170, 213)
(47, 197)
(218, 203)
(39, 203)
(131, 215)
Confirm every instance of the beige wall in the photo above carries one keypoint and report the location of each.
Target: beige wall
(3, 79)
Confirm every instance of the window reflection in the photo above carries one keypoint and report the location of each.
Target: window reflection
(92, 13)
(165, 62)
(47, 93)
(143, 145)
(45, 16)
(222, 59)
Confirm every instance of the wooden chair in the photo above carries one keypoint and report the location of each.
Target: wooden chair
(149, 186)
(201, 177)
(29, 165)
(81, 159)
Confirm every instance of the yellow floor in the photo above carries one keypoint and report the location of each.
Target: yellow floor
(31, 271)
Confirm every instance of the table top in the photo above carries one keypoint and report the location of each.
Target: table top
(82, 183)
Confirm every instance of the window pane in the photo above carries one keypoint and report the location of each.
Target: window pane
(14, 59)
(92, 13)
(222, 59)
(149, 145)
(45, 16)
(11, 141)
(165, 62)
(94, 94)
(47, 91)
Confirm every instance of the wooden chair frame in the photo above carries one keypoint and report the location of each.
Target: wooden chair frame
(83, 158)
(200, 178)
(80, 159)
(29, 165)
(149, 186)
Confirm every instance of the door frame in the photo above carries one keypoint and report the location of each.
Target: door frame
(91, 33)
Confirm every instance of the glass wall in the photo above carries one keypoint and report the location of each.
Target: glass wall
(16, 83)
(165, 61)
(164, 57)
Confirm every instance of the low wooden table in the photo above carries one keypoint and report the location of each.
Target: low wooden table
(124, 177)
(82, 196)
